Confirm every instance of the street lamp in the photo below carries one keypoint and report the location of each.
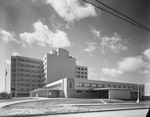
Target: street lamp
(138, 93)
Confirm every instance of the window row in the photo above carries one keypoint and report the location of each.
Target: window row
(29, 61)
(30, 66)
(28, 80)
(80, 76)
(79, 68)
(78, 72)
(94, 85)
(79, 91)
(29, 75)
(26, 84)
(29, 70)
(25, 89)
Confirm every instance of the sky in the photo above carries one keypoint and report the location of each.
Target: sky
(112, 49)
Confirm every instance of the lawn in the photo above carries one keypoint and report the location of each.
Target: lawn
(59, 105)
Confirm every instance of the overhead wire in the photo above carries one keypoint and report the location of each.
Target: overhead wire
(122, 14)
(117, 16)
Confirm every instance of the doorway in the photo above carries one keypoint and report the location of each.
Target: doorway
(102, 94)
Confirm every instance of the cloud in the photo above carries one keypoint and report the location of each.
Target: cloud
(72, 10)
(106, 44)
(92, 74)
(96, 33)
(147, 53)
(8, 61)
(15, 54)
(43, 35)
(91, 47)
(146, 71)
(112, 72)
(8, 36)
(114, 44)
(79, 63)
(131, 63)
(126, 65)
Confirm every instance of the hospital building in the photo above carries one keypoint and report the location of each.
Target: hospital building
(58, 76)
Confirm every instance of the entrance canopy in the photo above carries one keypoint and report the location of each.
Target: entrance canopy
(102, 89)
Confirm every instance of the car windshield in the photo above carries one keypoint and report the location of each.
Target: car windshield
(74, 57)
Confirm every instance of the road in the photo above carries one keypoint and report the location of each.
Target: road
(124, 113)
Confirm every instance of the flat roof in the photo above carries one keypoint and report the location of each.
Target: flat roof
(45, 89)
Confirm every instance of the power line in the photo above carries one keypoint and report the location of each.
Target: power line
(122, 14)
(117, 16)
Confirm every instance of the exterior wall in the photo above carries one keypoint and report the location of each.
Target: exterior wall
(59, 67)
(119, 94)
(53, 94)
(81, 72)
(133, 95)
(142, 91)
(62, 52)
(25, 75)
(45, 93)
(72, 93)
(85, 84)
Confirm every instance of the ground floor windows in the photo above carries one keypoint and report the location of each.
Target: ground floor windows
(78, 91)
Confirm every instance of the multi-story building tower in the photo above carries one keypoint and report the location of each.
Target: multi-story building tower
(26, 75)
(58, 64)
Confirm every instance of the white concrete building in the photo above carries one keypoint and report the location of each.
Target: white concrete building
(57, 75)
(84, 88)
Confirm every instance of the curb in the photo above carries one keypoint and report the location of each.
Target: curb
(90, 111)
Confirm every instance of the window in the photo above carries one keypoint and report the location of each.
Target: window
(93, 85)
(87, 84)
(100, 85)
(70, 85)
(13, 89)
(142, 88)
(79, 84)
(78, 91)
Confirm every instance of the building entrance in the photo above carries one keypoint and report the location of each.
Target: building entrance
(102, 94)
